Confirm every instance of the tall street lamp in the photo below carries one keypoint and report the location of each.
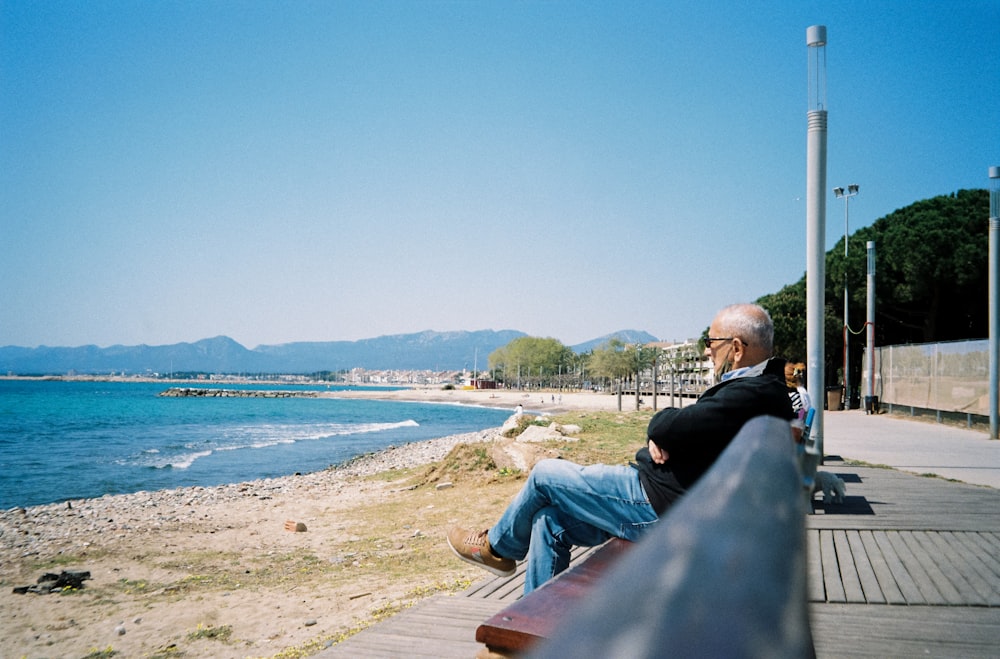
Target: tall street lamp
(816, 226)
(846, 196)
(994, 296)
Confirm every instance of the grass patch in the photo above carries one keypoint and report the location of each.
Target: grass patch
(606, 437)
(69, 560)
(221, 633)
(169, 652)
(136, 587)
(211, 571)
(524, 421)
(97, 653)
(862, 463)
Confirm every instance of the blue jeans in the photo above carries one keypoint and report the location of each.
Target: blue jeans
(565, 504)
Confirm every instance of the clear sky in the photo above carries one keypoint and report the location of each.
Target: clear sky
(318, 171)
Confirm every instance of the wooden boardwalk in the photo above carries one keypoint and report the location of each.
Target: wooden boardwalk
(906, 566)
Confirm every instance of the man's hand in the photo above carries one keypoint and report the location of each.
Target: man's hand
(659, 455)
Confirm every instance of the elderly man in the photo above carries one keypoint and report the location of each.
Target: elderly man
(564, 504)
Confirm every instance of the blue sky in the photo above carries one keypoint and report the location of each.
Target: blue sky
(315, 171)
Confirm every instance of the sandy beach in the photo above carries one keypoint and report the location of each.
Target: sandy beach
(542, 402)
(216, 572)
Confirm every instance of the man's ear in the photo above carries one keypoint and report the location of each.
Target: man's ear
(739, 351)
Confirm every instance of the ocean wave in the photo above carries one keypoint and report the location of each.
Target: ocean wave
(185, 461)
(259, 437)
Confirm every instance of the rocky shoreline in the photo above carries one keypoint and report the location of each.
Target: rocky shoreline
(69, 527)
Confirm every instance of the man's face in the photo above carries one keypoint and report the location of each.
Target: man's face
(719, 350)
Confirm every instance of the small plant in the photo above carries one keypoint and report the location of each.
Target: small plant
(215, 633)
(130, 586)
(100, 654)
(169, 652)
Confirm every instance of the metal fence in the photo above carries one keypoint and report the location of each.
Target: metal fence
(948, 377)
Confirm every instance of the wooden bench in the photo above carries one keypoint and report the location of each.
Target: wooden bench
(722, 574)
(532, 618)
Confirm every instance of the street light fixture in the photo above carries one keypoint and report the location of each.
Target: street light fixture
(846, 195)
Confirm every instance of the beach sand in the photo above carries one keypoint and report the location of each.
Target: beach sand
(543, 402)
(172, 572)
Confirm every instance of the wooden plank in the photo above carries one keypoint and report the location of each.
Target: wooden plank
(900, 575)
(981, 575)
(992, 539)
(935, 576)
(814, 575)
(841, 631)
(870, 589)
(487, 588)
(440, 627)
(887, 585)
(511, 588)
(849, 577)
(986, 548)
(832, 584)
(952, 560)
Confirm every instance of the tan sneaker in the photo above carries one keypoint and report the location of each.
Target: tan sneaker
(474, 547)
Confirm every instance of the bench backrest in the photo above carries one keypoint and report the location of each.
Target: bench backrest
(809, 457)
(722, 574)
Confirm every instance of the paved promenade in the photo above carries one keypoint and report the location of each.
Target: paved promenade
(921, 447)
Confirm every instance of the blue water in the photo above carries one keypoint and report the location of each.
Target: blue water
(73, 440)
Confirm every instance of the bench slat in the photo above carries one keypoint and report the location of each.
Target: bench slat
(529, 619)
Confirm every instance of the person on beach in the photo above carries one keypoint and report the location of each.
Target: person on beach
(563, 504)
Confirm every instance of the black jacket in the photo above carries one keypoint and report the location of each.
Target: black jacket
(695, 436)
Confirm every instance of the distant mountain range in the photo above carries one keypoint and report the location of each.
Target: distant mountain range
(435, 351)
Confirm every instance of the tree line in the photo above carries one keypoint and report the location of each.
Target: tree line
(931, 283)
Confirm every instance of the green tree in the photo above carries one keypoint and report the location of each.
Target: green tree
(931, 271)
(531, 360)
(610, 361)
(931, 282)
(618, 361)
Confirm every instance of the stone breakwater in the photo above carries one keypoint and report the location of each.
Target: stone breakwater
(184, 392)
(70, 527)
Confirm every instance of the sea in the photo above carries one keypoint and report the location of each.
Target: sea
(65, 440)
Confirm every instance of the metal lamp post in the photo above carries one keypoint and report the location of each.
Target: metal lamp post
(871, 400)
(816, 224)
(994, 282)
(846, 195)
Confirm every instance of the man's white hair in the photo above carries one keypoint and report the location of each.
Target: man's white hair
(751, 323)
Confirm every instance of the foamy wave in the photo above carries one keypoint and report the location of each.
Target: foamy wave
(185, 461)
(266, 436)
